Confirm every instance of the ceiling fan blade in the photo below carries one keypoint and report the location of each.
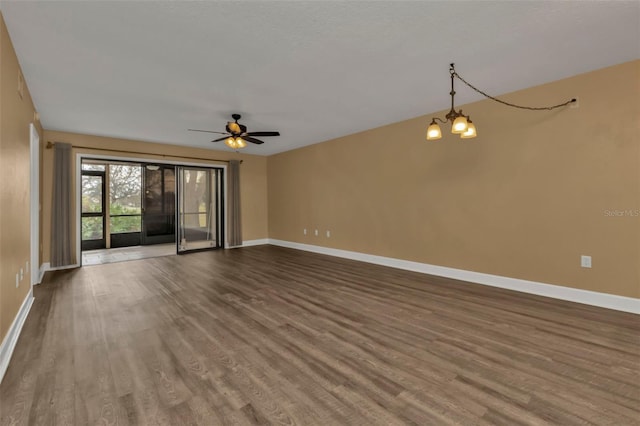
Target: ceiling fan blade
(252, 140)
(263, 134)
(221, 139)
(205, 131)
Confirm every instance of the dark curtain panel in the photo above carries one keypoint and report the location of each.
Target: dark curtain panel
(235, 223)
(61, 224)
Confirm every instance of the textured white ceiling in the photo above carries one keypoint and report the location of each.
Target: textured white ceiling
(312, 70)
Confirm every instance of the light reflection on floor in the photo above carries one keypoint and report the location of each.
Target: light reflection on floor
(123, 254)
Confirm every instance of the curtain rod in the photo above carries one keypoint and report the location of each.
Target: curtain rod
(51, 144)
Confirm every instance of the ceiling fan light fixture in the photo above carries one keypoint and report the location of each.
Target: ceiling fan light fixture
(236, 135)
(240, 143)
(230, 142)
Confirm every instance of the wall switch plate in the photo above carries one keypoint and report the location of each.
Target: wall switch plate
(304, 231)
(328, 234)
(21, 274)
(316, 232)
(585, 261)
(17, 280)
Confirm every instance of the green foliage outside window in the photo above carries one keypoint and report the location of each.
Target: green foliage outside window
(125, 223)
(124, 198)
(92, 226)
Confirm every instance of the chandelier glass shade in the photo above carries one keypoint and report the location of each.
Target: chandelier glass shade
(470, 132)
(434, 132)
(459, 125)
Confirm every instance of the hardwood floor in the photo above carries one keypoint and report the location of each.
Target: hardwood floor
(267, 335)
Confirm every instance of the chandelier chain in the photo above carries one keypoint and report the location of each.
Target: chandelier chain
(508, 103)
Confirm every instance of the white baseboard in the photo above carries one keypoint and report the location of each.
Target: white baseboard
(604, 300)
(260, 242)
(249, 243)
(10, 340)
(43, 268)
(46, 266)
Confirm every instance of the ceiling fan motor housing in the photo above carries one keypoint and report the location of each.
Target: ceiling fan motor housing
(234, 127)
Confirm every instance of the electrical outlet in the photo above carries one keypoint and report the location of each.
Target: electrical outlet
(304, 231)
(328, 234)
(316, 232)
(21, 274)
(585, 261)
(17, 280)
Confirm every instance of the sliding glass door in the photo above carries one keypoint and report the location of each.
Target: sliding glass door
(125, 204)
(93, 207)
(159, 212)
(129, 204)
(199, 208)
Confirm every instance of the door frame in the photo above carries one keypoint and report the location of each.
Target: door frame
(220, 204)
(78, 187)
(144, 238)
(103, 213)
(34, 206)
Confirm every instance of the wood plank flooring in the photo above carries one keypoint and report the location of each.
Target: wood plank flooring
(268, 335)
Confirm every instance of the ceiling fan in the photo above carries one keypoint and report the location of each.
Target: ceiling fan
(236, 135)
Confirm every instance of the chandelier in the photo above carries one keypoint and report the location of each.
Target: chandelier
(460, 123)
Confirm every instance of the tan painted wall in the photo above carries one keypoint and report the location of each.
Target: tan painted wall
(15, 116)
(524, 199)
(253, 176)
